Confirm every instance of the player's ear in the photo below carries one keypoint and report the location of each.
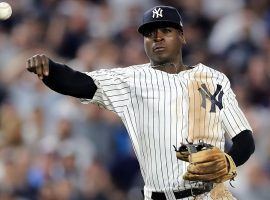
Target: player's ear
(182, 37)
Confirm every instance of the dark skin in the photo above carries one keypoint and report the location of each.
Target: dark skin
(163, 46)
(38, 64)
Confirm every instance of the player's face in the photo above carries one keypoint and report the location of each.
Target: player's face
(163, 45)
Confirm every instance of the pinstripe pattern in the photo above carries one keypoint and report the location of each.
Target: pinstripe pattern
(160, 110)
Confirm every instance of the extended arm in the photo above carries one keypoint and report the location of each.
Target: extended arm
(62, 78)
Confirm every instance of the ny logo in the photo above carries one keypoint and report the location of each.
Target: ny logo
(207, 95)
(157, 13)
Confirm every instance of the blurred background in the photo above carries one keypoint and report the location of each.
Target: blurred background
(52, 147)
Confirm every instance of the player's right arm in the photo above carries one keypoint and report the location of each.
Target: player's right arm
(62, 78)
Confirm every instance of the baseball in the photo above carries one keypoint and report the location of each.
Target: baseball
(5, 10)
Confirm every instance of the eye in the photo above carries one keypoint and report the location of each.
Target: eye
(148, 33)
(166, 30)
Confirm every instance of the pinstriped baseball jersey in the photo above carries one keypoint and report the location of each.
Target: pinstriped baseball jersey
(160, 110)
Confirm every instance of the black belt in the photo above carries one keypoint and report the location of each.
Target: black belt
(179, 194)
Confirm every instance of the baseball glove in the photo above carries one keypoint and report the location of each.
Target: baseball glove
(207, 163)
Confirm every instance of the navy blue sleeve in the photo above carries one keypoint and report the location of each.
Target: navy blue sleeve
(64, 80)
(242, 148)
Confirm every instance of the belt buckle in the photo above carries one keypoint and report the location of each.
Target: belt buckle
(192, 193)
(205, 186)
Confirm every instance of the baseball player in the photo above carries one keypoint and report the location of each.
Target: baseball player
(166, 106)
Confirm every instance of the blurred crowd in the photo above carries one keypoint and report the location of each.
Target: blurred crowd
(52, 147)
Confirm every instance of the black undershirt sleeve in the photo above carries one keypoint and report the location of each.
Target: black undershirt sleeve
(242, 148)
(64, 80)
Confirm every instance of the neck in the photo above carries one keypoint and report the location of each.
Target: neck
(171, 68)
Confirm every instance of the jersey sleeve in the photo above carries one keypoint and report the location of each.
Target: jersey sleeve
(113, 89)
(233, 118)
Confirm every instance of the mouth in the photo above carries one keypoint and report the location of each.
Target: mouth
(158, 48)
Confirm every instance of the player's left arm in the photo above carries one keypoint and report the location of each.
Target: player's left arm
(208, 163)
(242, 148)
(237, 126)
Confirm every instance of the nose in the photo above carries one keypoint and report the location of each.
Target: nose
(158, 35)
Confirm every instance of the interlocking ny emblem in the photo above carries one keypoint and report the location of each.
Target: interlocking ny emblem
(207, 95)
(157, 12)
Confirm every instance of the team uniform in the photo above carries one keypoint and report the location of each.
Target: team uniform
(175, 121)
(162, 110)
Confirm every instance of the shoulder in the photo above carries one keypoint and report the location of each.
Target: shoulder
(128, 69)
(139, 67)
(211, 74)
(209, 70)
(124, 73)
